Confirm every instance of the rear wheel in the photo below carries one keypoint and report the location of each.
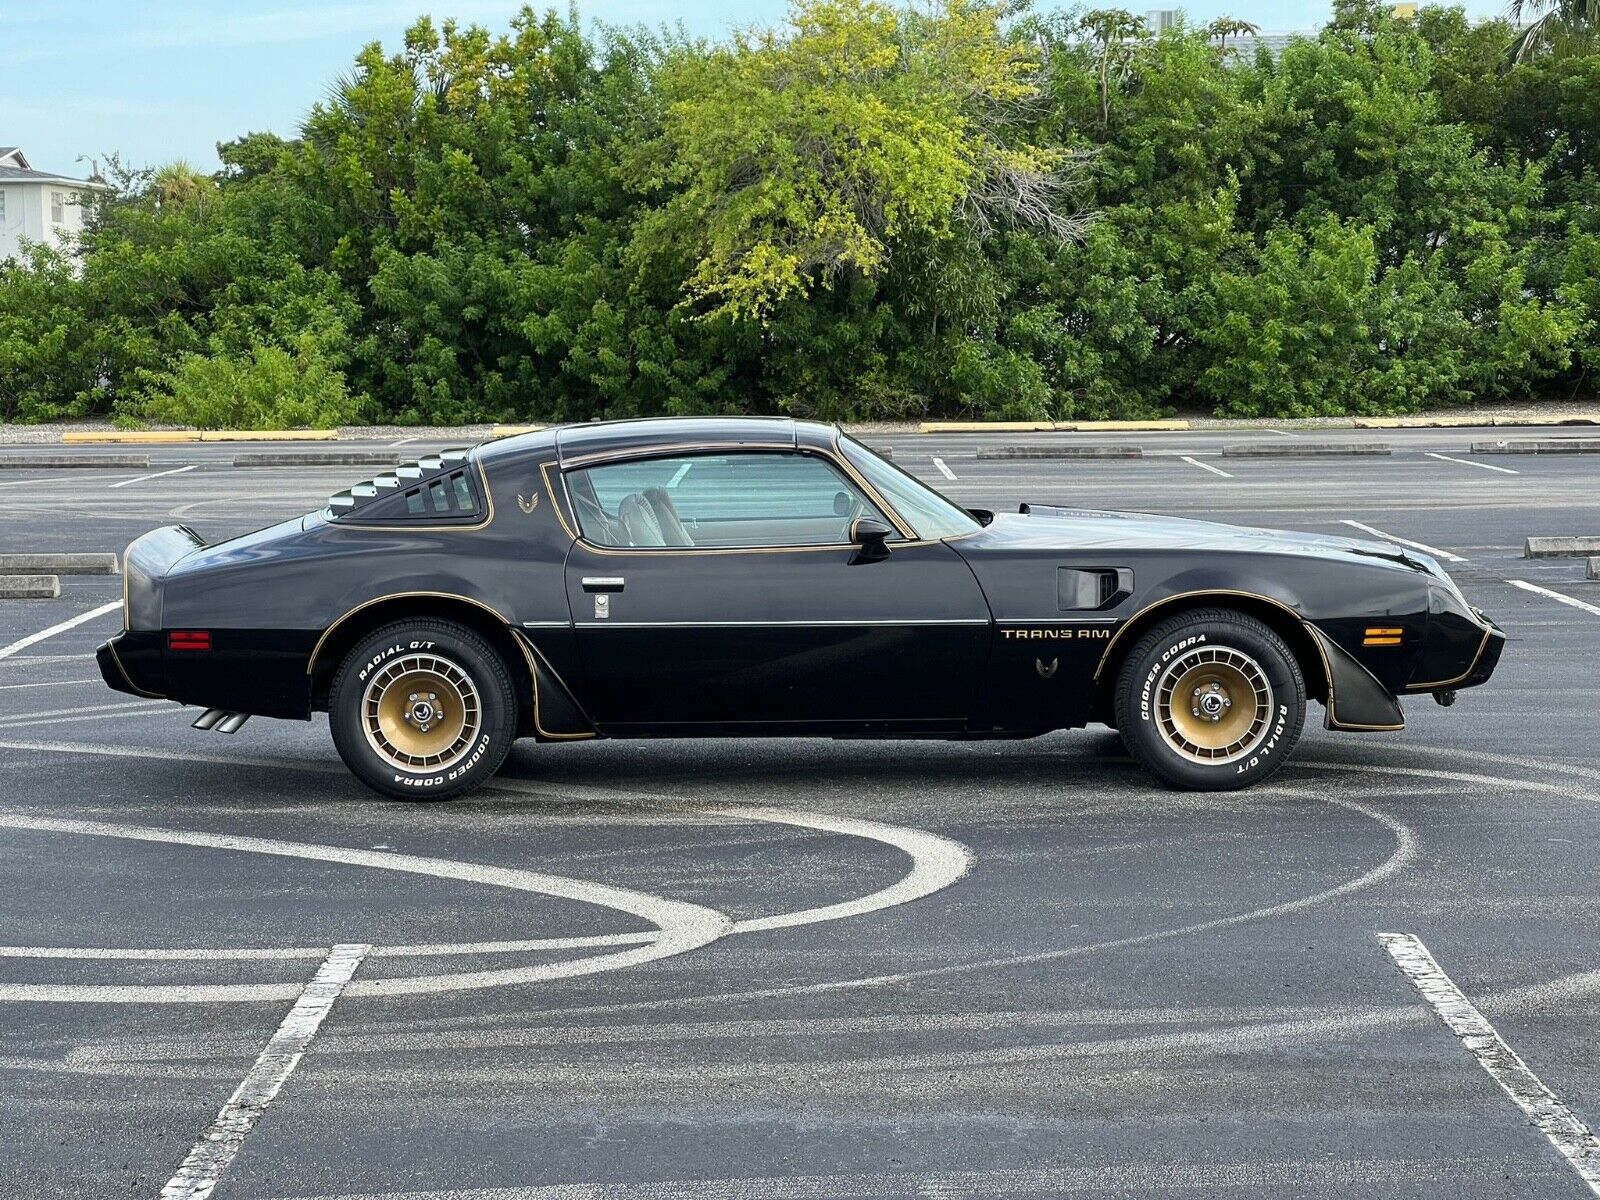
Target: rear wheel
(1210, 700)
(422, 710)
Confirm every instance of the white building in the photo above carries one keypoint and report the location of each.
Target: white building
(37, 206)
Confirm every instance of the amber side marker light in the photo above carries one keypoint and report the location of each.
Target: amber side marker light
(189, 639)
(1382, 636)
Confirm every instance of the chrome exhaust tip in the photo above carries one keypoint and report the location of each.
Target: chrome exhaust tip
(232, 722)
(209, 718)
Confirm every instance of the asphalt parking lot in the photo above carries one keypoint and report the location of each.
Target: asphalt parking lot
(806, 969)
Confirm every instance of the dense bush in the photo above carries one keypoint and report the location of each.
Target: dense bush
(874, 212)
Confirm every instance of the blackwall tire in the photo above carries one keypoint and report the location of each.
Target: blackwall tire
(1210, 700)
(423, 710)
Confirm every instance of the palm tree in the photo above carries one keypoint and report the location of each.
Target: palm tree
(1549, 20)
(179, 184)
(1223, 28)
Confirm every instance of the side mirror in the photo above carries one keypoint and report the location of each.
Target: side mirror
(870, 534)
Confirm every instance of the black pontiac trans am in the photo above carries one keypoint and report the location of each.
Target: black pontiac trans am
(752, 576)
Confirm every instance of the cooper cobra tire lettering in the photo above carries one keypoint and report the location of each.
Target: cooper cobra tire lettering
(469, 661)
(1155, 671)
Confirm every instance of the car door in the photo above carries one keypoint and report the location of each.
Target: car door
(720, 590)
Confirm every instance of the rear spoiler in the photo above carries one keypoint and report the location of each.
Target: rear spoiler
(144, 563)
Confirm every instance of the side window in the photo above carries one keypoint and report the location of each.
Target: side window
(727, 500)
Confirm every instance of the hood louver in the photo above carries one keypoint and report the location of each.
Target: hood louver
(437, 485)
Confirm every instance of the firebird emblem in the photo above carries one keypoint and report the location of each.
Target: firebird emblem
(528, 505)
(1044, 671)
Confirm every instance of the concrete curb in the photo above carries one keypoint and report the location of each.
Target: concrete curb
(1594, 569)
(986, 427)
(1471, 422)
(60, 564)
(1052, 426)
(349, 458)
(999, 452)
(1531, 446)
(500, 431)
(46, 462)
(29, 587)
(1305, 449)
(1123, 426)
(1560, 547)
(170, 436)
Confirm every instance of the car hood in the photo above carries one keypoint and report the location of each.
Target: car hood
(1048, 527)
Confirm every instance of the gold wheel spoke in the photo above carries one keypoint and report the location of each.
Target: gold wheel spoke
(1213, 704)
(421, 711)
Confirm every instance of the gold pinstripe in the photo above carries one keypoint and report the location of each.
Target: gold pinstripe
(522, 644)
(1327, 667)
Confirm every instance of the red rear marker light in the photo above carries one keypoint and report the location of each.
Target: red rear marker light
(189, 639)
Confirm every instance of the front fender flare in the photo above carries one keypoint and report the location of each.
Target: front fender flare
(1357, 702)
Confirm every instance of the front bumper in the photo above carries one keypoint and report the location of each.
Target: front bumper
(1494, 643)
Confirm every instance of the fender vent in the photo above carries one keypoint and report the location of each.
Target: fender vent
(437, 487)
(1092, 588)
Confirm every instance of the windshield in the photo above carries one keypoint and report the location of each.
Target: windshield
(930, 514)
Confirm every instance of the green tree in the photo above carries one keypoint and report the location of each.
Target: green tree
(804, 153)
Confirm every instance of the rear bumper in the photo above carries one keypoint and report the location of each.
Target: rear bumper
(131, 663)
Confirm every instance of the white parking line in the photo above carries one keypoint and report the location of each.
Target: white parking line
(943, 470)
(157, 475)
(1195, 462)
(1389, 537)
(80, 709)
(1538, 1103)
(1529, 587)
(24, 643)
(156, 709)
(1467, 462)
(50, 683)
(197, 1178)
(406, 441)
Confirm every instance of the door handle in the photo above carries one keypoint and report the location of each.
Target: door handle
(603, 583)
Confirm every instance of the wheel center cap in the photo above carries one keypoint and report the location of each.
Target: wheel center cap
(422, 712)
(1212, 703)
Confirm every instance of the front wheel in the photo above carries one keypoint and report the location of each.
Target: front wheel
(422, 710)
(1210, 701)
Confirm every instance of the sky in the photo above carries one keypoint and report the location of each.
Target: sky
(157, 80)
